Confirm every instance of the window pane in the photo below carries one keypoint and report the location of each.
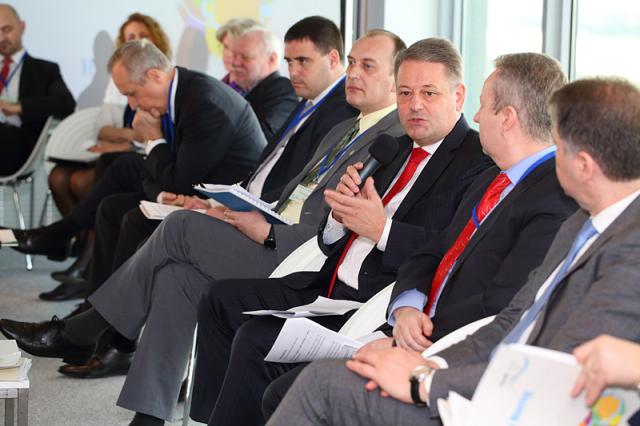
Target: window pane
(493, 28)
(608, 39)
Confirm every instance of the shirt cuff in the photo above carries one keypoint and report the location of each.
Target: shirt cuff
(382, 243)
(333, 230)
(152, 144)
(442, 364)
(411, 299)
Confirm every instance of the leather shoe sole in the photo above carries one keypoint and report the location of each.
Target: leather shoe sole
(107, 362)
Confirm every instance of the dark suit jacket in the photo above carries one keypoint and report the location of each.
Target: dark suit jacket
(599, 295)
(304, 142)
(273, 100)
(217, 138)
(42, 93)
(511, 242)
(426, 210)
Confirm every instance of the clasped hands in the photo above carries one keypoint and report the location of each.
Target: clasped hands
(359, 210)
(388, 368)
(10, 108)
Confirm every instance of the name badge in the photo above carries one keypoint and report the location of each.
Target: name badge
(301, 193)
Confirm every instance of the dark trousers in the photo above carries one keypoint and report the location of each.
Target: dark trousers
(120, 229)
(15, 146)
(123, 175)
(231, 374)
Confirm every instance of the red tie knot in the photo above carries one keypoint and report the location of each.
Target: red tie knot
(417, 155)
(6, 60)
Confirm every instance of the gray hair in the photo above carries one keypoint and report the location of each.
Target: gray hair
(235, 27)
(525, 81)
(271, 42)
(138, 57)
(436, 50)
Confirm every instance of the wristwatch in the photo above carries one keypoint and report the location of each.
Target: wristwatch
(419, 375)
(270, 241)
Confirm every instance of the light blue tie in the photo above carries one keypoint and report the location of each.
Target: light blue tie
(586, 232)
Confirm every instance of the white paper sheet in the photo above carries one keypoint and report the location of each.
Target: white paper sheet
(302, 340)
(7, 239)
(320, 307)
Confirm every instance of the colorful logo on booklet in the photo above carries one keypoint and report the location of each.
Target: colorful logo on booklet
(607, 411)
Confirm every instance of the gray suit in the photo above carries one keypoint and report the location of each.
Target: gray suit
(162, 283)
(599, 295)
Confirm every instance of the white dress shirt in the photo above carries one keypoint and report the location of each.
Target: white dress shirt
(11, 92)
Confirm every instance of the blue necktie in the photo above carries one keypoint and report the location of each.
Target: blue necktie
(586, 232)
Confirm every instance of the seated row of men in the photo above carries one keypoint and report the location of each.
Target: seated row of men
(459, 220)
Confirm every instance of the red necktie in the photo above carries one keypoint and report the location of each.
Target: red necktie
(487, 203)
(4, 72)
(417, 156)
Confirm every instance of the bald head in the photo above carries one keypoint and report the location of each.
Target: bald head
(11, 30)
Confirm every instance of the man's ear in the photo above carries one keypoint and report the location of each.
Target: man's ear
(154, 75)
(334, 58)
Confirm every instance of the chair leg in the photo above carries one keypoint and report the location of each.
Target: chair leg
(190, 369)
(32, 200)
(16, 202)
(43, 214)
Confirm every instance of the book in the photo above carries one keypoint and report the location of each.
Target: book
(13, 367)
(239, 199)
(527, 385)
(7, 238)
(18, 373)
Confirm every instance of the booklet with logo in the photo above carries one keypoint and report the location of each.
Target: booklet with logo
(239, 199)
(531, 386)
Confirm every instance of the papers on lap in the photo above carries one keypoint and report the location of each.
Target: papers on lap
(239, 199)
(7, 239)
(157, 211)
(320, 307)
(526, 385)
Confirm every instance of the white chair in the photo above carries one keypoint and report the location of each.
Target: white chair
(69, 142)
(369, 316)
(25, 175)
(307, 257)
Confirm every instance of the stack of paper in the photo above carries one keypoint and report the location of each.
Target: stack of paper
(13, 367)
(157, 211)
(7, 238)
(320, 307)
(530, 386)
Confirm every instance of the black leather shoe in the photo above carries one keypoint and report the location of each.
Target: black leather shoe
(80, 308)
(77, 270)
(36, 241)
(108, 361)
(45, 339)
(67, 291)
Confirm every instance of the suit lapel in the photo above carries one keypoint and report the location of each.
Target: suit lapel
(435, 167)
(631, 211)
(26, 76)
(495, 216)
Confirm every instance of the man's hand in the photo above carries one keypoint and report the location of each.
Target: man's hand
(194, 203)
(105, 146)
(363, 214)
(172, 199)
(389, 370)
(411, 328)
(147, 124)
(217, 212)
(252, 224)
(11, 108)
(606, 361)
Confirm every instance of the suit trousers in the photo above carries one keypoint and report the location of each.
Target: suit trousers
(328, 393)
(120, 229)
(231, 373)
(16, 145)
(159, 287)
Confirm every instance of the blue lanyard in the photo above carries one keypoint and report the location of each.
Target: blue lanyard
(167, 122)
(531, 168)
(324, 166)
(13, 72)
(301, 114)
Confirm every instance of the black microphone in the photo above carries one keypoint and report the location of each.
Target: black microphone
(381, 152)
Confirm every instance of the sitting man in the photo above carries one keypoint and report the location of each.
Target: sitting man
(30, 91)
(586, 286)
(161, 284)
(522, 216)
